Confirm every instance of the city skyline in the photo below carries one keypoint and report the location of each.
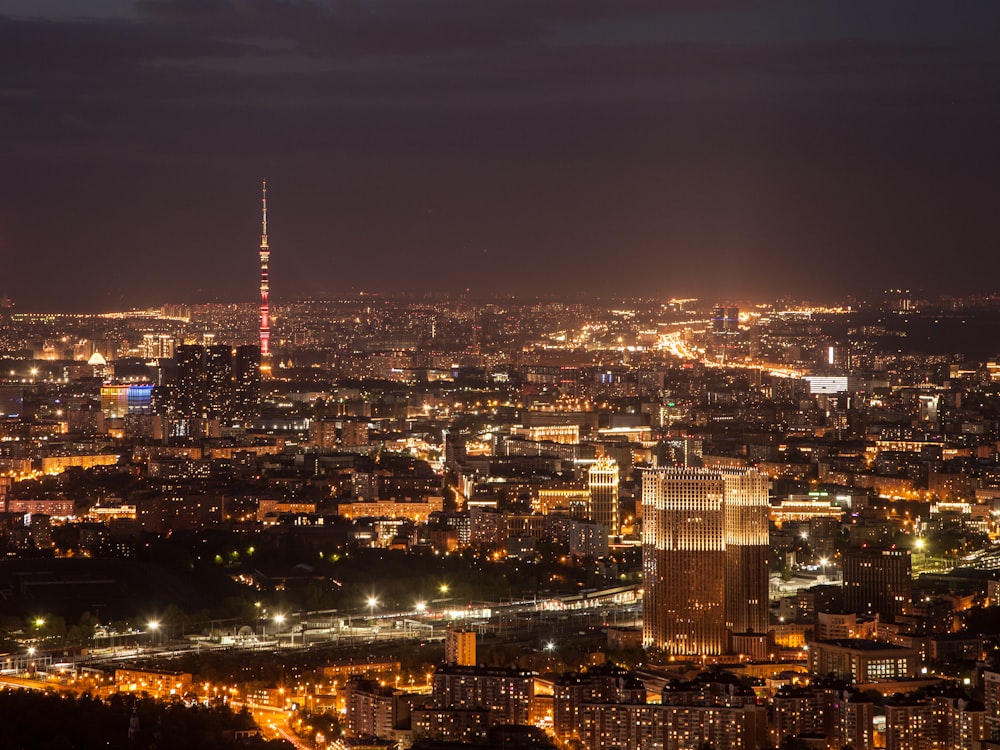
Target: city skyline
(613, 525)
(727, 151)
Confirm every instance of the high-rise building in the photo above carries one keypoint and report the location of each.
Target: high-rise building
(828, 708)
(705, 544)
(246, 383)
(218, 382)
(915, 722)
(214, 383)
(711, 711)
(190, 386)
(602, 481)
(508, 692)
(725, 319)
(371, 709)
(157, 346)
(460, 647)
(878, 581)
(469, 726)
(604, 684)
(991, 699)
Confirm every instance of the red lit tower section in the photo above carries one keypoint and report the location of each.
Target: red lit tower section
(265, 256)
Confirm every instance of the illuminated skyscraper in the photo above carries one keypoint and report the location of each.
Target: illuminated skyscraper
(265, 257)
(602, 481)
(705, 541)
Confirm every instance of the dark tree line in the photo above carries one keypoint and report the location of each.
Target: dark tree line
(62, 722)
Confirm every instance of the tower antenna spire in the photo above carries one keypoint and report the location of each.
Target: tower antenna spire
(265, 257)
(263, 222)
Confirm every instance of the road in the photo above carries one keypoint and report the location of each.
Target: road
(287, 735)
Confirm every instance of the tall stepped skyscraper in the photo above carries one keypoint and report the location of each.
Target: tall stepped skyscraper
(704, 548)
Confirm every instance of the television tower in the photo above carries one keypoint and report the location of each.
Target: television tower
(265, 256)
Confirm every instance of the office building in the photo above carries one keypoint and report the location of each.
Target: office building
(862, 662)
(878, 582)
(705, 546)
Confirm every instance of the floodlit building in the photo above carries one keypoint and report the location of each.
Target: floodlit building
(602, 481)
(705, 546)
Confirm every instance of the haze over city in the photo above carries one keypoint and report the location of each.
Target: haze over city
(724, 149)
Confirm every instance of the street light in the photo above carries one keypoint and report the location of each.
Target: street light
(443, 588)
(279, 620)
(153, 626)
(421, 607)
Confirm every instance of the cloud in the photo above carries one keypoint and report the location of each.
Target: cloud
(349, 28)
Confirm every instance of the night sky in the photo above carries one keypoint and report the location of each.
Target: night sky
(600, 147)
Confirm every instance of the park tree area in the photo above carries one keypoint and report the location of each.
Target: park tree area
(47, 721)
